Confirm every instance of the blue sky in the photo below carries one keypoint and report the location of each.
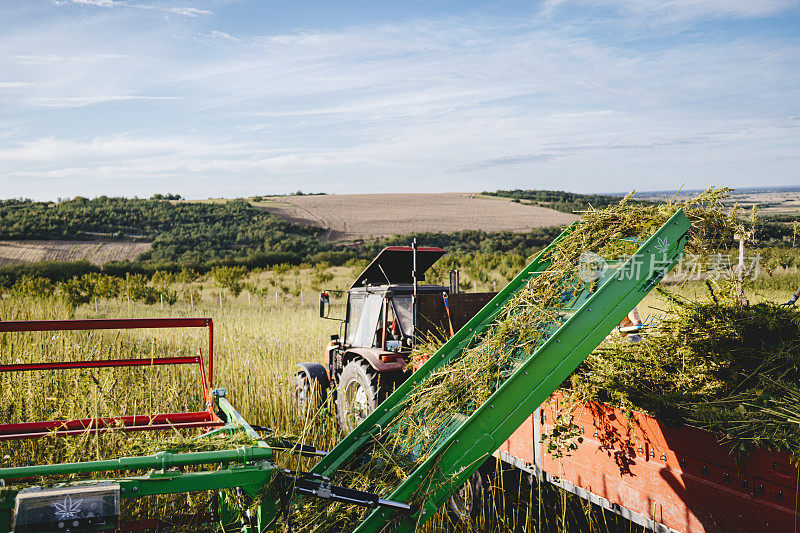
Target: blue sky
(236, 98)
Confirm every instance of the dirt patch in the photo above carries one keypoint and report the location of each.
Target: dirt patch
(367, 216)
(97, 252)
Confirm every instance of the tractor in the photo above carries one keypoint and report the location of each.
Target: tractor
(388, 313)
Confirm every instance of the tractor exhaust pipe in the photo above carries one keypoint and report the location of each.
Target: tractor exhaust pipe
(414, 294)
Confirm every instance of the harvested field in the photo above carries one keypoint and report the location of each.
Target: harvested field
(97, 252)
(367, 216)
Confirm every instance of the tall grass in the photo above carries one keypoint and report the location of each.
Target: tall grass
(256, 347)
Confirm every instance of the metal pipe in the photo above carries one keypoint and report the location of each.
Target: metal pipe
(66, 365)
(159, 461)
(118, 323)
(23, 430)
(414, 294)
(210, 324)
(102, 323)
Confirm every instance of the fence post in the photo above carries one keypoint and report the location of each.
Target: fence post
(95, 304)
(191, 300)
(276, 296)
(249, 305)
(162, 301)
(220, 299)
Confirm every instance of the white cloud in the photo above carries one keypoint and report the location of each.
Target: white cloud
(98, 3)
(221, 35)
(679, 10)
(81, 101)
(15, 84)
(185, 11)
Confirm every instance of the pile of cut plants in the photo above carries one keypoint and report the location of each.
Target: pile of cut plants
(716, 363)
(460, 386)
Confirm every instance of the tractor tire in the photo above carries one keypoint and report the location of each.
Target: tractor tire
(359, 392)
(465, 506)
(306, 397)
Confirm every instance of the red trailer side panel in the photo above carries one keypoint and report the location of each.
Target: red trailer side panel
(678, 477)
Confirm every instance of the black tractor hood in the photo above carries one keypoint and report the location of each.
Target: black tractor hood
(395, 263)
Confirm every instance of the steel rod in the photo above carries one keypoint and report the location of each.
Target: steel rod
(159, 461)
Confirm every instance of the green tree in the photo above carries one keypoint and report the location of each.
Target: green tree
(229, 278)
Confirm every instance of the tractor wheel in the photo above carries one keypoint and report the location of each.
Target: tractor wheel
(306, 396)
(466, 504)
(359, 392)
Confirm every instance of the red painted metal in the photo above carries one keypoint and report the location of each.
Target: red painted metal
(681, 477)
(164, 421)
(118, 323)
(34, 430)
(103, 323)
(155, 361)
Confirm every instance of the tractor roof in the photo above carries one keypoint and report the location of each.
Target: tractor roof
(395, 263)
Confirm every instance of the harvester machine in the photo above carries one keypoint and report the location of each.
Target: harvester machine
(86, 496)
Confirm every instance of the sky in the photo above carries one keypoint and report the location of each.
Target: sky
(225, 98)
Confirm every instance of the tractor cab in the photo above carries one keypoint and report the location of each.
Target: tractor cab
(380, 302)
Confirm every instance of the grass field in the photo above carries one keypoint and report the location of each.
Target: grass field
(97, 252)
(259, 336)
(367, 216)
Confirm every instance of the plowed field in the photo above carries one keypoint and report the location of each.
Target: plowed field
(96, 252)
(351, 217)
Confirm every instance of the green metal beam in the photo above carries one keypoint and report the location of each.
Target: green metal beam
(234, 417)
(251, 478)
(159, 461)
(461, 453)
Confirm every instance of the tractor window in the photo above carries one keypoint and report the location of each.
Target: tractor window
(368, 323)
(356, 305)
(404, 312)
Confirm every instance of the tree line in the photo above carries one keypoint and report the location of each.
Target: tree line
(201, 236)
(567, 202)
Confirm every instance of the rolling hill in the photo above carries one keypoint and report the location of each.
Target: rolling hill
(357, 217)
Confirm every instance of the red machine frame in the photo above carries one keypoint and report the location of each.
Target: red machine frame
(152, 422)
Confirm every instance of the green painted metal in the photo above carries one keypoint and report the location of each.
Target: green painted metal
(249, 468)
(159, 461)
(6, 508)
(251, 478)
(460, 454)
(235, 418)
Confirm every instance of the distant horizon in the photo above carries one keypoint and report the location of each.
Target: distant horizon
(763, 188)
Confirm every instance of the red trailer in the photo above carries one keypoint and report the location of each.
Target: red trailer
(664, 478)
